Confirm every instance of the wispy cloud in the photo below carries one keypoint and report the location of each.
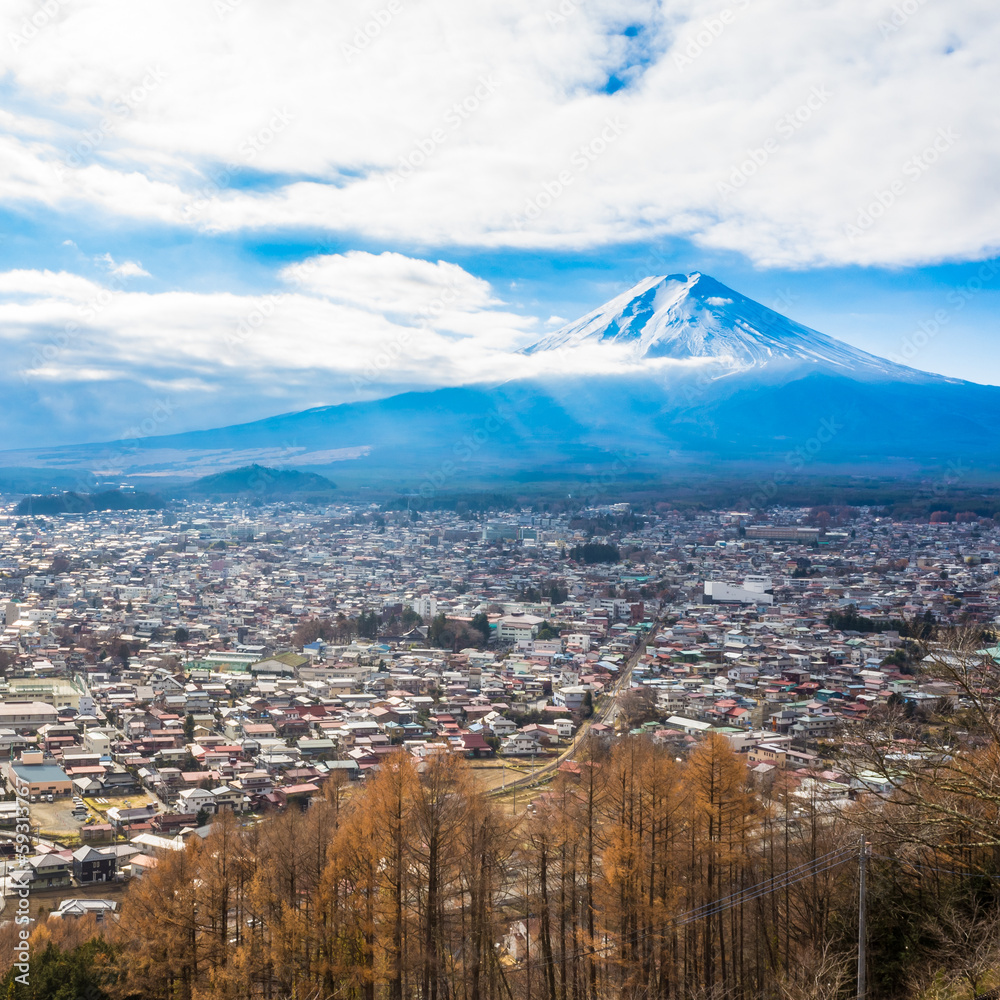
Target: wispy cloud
(126, 269)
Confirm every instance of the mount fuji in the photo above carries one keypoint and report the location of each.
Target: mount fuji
(693, 316)
(680, 373)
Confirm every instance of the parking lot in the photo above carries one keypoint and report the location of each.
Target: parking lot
(57, 817)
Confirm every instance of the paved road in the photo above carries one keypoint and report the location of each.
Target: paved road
(606, 711)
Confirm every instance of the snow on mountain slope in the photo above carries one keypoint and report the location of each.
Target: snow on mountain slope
(683, 316)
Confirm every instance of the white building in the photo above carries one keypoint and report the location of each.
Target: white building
(195, 799)
(572, 697)
(97, 742)
(27, 714)
(518, 627)
(500, 725)
(521, 744)
(425, 606)
(755, 590)
(693, 727)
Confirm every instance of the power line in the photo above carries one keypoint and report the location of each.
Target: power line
(793, 876)
(686, 918)
(931, 868)
(761, 886)
(827, 862)
(683, 919)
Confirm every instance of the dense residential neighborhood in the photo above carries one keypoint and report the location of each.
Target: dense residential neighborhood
(163, 667)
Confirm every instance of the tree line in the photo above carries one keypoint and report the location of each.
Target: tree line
(921, 627)
(595, 552)
(638, 874)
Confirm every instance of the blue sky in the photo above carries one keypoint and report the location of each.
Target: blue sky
(225, 210)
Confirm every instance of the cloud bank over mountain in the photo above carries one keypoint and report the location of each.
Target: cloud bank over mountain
(80, 352)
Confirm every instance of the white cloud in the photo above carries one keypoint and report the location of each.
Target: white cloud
(126, 269)
(346, 327)
(810, 115)
(131, 269)
(55, 286)
(391, 283)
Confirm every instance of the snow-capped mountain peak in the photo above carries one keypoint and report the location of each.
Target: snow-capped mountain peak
(685, 316)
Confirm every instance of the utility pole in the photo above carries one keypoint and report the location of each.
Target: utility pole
(527, 931)
(862, 934)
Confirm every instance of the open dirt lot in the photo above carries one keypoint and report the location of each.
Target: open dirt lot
(492, 773)
(55, 819)
(131, 801)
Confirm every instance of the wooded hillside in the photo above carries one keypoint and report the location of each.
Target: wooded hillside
(644, 876)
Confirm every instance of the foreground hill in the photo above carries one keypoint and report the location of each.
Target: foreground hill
(259, 479)
(83, 503)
